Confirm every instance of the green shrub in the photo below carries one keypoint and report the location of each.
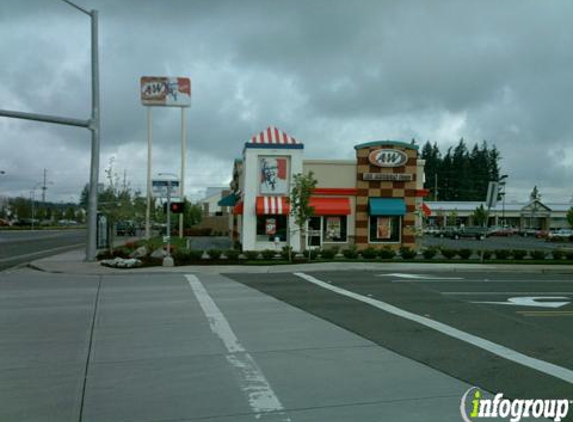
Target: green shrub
(285, 252)
(237, 245)
(558, 254)
(369, 253)
(232, 254)
(486, 255)
(518, 254)
(538, 254)
(449, 253)
(311, 254)
(407, 253)
(252, 255)
(214, 253)
(429, 253)
(328, 253)
(501, 254)
(569, 255)
(387, 252)
(350, 253)
(186, 257)
(268, 254)
(465, 253)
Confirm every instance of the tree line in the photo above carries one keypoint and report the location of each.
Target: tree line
(460, 174)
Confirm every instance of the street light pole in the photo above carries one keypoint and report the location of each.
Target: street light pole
(93, 124)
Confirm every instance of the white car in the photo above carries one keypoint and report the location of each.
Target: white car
(561, 234)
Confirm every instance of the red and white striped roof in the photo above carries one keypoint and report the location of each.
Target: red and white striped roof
(272, 205)
(272, 135)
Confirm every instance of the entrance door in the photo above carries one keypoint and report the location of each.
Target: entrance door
(314, 232)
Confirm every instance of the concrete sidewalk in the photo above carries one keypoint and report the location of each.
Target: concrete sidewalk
(155, 348)
(73, 263)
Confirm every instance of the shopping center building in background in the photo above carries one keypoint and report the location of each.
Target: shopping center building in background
(374, 200)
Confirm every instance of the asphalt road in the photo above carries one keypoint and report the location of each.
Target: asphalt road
(459, 301)
(22, 246)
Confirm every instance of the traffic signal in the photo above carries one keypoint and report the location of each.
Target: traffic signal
(177, 207)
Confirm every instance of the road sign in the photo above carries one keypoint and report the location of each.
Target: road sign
(161, 186)
(492, 192)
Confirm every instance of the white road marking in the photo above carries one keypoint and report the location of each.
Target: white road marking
(531, 301)
(417, 276)
(255, 386)
(505, 293)
(489, 346)
(479, 281)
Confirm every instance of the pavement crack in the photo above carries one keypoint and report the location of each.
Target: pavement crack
(90, 345)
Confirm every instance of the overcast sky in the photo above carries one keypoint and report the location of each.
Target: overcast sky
(329, 73)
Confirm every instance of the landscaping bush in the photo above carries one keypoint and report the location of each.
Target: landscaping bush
(501, 254)
(465, 253)
(518, 254)
(569, 255)
(350, 253)
(214, 253)
(328, 253)
(429, 253)
(237, 245)
(311, 254)
(268, 254)
(449, 253)
(558, 254)
(369, 253)
(232, 254)
(538, 254)
(186, 257)
(486, 255)
(407, 253)
(387, 252)
(252, 255)
(285, 252)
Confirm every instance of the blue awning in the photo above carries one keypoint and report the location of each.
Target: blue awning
(228, 201)
(386, 206)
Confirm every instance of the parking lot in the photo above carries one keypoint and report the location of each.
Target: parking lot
(495, 242)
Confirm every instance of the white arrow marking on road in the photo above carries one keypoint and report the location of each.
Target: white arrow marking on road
(418, 276)
(531, 301)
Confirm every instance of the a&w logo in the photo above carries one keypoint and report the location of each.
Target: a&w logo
(388, 158)
(474, 407)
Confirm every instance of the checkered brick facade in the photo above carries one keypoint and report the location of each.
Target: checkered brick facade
(385, 189)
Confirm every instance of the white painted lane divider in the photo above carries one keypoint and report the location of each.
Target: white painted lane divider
(417, 276)
(531, 301)
(556, 371)
(262, 399)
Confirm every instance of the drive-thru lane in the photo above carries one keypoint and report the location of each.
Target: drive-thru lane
(450, 299)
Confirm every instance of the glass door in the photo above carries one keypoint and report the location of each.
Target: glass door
(314, 232)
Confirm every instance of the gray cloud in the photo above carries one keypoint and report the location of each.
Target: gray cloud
(332, 73)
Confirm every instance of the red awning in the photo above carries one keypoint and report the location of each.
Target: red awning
(238, 209)
(272, 205)
(330, 206)
(426, 210)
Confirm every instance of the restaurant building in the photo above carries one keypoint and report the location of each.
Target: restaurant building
(373, 200)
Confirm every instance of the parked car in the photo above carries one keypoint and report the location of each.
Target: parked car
(4, 222)
(561, 234)
(445, 231)
(528, 232)
(125, 228)
(502, 231)
(479, 233)
(433, 230)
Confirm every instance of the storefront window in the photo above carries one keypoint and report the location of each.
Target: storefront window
(385, 229)
(334, 228)
(271, 226)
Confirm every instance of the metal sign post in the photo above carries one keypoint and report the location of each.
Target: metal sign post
(165, 92)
